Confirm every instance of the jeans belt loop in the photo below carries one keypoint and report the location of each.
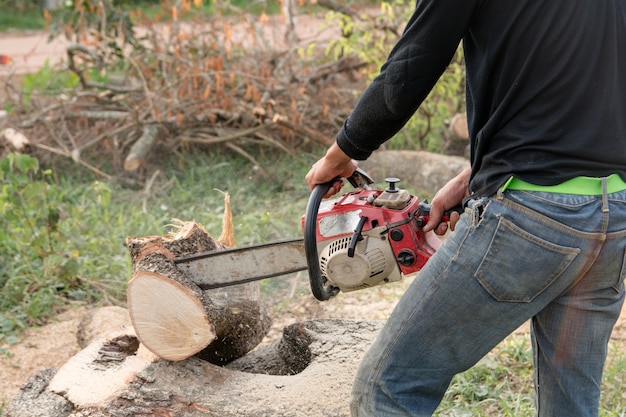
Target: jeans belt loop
(605, 196)
(578, 185)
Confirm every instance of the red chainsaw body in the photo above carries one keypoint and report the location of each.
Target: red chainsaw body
(387, 222)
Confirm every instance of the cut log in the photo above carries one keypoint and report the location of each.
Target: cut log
(173, 317)
(456, 139)
(16, 140)
(142, 148)
(309, 373)
(100, 321)
(169, 317)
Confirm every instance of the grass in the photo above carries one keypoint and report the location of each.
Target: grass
(62, 239)
(501, 384)
(32, 18)
(11, 19)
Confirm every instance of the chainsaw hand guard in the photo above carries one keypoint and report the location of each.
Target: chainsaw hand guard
(320, 290)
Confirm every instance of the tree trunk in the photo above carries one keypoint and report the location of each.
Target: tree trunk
(173, 317)
(15, 139)
(456, 139)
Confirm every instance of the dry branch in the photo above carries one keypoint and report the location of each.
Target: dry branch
(222, 83)
(15, 139)
(141, 150)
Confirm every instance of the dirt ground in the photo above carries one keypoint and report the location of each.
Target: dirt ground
(52, 345)
(29, 51)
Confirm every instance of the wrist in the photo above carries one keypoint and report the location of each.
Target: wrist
(335, 157)
(463, 179)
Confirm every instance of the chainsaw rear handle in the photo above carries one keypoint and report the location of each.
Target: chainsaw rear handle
(423, 213)
(320, 290)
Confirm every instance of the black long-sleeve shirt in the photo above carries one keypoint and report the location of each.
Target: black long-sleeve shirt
(546, 86)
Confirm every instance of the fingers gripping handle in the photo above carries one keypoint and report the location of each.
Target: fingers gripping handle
(321, 291)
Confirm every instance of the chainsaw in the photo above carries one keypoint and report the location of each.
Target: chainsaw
(358, 240)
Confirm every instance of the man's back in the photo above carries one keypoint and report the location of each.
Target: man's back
(546, 86)
(546, 90)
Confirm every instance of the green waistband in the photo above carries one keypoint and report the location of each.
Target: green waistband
(578, 186)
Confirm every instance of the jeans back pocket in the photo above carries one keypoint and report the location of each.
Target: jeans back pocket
(518, 265)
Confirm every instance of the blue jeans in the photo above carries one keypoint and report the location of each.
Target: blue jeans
(556, 259)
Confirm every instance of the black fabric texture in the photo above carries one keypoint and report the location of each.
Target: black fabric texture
(546, 87)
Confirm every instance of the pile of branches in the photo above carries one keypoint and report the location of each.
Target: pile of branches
(165, 88)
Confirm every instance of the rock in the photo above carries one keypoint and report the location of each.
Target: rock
(425, 172)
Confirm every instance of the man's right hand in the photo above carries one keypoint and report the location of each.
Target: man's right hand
(449, 196)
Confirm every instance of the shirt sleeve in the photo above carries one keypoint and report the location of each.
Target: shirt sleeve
(416, 62)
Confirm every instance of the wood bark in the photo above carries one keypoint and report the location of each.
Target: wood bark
(456, 139)
(115, 376)
(173, 317)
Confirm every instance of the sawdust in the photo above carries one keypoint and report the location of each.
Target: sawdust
(54, 344)
(49, 346)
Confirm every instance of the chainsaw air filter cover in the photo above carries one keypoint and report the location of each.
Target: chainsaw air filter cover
(373, 262)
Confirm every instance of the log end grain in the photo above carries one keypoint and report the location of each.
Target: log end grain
(168, 317)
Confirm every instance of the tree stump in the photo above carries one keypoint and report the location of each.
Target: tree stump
(308, 373)
(173, 317)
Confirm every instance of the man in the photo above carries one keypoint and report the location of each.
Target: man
(543, 235)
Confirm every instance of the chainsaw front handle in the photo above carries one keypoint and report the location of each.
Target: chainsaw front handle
(321, 291)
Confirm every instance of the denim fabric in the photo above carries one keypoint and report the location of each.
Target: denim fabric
(558, 260)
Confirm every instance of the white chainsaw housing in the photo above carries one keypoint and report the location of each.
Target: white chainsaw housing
(373, 262)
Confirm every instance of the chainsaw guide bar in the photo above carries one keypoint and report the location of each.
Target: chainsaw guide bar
(246, 264)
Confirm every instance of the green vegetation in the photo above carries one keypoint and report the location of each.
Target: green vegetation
(62, 240)
(29, 14)
(20, 20)
(447, 98)
(501, 384)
